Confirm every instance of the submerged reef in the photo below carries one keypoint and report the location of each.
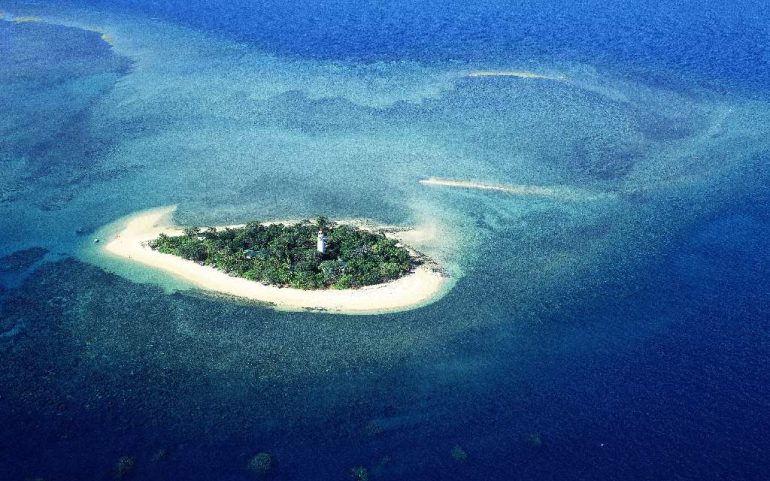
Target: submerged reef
(358, 473)
(534, 440)
(21, 260)
(124, 467)
(54, 77)
(458, 453)
(261, 464)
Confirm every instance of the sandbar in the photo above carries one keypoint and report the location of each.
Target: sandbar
(26, 19)
(516, 73)
(425, 284)
(525, 190)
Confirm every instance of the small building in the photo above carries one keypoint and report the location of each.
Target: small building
(321, 242)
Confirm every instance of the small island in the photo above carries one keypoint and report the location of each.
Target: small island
(303, 255)
(343, 267)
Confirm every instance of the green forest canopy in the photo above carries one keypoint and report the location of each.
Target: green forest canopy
(286, 255)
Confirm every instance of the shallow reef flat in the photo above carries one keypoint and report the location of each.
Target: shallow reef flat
(607, 234)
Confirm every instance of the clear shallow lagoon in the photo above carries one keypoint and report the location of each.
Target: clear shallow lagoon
(629, 331)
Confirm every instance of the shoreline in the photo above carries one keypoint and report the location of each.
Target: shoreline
(423, 285)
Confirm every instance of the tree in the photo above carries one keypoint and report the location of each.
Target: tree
(286, 254)
(192, 231)
(322, 223)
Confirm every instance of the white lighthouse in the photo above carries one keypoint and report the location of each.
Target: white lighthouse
(321, 243)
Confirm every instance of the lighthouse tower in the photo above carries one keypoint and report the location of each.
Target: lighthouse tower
(321, 243)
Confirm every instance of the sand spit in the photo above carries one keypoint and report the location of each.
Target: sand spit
(426, 284)
(555, 192)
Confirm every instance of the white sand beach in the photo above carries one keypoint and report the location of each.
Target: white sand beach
(418, 288)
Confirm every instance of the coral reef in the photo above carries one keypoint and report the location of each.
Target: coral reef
(359, 473)
(21, 260)
(458, 453)
(261, 464)
(124, 467)
(534, 440)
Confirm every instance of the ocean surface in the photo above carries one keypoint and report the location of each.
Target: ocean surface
(620, 331)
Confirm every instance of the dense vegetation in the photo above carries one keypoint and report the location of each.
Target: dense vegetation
(286, 255)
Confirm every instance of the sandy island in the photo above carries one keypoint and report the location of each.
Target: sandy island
(425, 284)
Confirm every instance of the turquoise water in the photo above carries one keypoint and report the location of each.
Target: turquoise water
(628, 330)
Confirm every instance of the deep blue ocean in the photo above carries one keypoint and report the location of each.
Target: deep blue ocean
(617, 331)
